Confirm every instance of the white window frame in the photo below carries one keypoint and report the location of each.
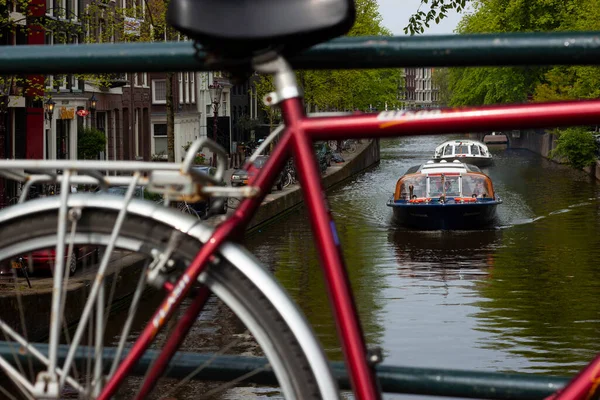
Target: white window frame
(49, 34)
(157, 136)
(136, 131)
(74, 80)
(180, 81)
(187, 87)
(193, 86)
(224, 104)
(154, 100)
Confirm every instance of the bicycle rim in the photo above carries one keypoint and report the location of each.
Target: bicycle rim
(145, 238)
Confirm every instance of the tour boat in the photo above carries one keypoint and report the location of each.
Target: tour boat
(444, 195)
(464, 150)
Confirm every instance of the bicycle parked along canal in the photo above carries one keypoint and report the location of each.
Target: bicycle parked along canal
(189, 260)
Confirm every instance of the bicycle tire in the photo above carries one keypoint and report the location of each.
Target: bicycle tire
(249, 302)
(287, 180)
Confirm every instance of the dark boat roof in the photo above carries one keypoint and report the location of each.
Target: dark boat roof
(451, 165)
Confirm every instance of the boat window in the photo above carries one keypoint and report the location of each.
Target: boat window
(448, 150)
(477, 185)
(474, 150)
(462, 149)
(447, 185)
(418, 184)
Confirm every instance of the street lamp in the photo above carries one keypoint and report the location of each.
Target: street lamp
(93, 102)
(49, 108)
(215, 90)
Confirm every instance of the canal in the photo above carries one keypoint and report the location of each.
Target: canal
(522, 297)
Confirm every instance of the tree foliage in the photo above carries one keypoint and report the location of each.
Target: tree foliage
(437, 10)
(577, 146)
(90, 142)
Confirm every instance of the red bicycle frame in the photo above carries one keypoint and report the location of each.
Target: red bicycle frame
(296, 140)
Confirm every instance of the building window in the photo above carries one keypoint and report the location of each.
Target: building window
(180, 81)
(159, 133)
(159, 91)
(187, 87)
(193, 86)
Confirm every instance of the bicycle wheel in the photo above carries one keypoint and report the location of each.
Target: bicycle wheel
(142, 239)
(332, 145)
(287, 179)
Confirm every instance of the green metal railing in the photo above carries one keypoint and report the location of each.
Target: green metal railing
(575, 48)
(422, 381)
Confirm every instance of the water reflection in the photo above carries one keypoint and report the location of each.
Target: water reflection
(444, 254)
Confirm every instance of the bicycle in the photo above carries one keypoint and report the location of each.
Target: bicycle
(348, 145)
(289, 174)
(185, 208)
(170, 239)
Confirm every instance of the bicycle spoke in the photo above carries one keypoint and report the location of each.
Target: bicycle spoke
(14, 353)
(7, 393)
(233, 382)
(132, 311)
(57, 288)
(23, 324)
(100, 275)
(74, 217)
(195, 372)
(8, 331)
(17, 378)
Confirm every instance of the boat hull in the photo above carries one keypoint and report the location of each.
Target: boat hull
(445, 216)
(478, 161)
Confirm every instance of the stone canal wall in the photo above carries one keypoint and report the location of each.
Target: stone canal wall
(278, 203)
(543, 143)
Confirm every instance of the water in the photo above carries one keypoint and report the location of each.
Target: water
(522, 297)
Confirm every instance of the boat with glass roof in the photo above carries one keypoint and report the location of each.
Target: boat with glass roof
(444, 195)
(464, 150)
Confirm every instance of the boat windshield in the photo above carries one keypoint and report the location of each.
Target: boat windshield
(474, 150)
(448, 150)
(462, 149)
(448, 185)
(477, 185)
(418, 183)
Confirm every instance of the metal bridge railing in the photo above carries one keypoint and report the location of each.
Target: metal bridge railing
(573, 48)
(407, 380)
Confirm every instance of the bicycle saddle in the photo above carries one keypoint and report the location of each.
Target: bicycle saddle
(241, 28)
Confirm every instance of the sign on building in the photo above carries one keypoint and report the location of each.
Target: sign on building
(66, 113)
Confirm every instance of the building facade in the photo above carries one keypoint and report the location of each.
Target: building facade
(187, 116)
(419, 90)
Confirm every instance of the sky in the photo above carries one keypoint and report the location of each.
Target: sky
(395, 15)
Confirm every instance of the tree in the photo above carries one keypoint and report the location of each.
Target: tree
(90, 142)
(437, 11)
(576, 145)
(475, 86)
(441, 80)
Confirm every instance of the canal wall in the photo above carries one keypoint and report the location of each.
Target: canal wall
(542, 143)
(278, 204)
(35, 302)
